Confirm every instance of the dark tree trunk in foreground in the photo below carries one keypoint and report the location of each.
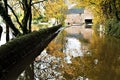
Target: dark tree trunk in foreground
(14, 59)
(25, 25)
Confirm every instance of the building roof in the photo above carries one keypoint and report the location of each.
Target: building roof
(75, 11)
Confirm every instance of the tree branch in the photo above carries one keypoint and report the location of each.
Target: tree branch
(36, 9)
(7, 27)
(8, 20)
(15, 15)
(26, 16)
(30, 17)
(38, 2)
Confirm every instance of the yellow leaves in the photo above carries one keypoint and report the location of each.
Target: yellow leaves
(95, 7)
(55, 9)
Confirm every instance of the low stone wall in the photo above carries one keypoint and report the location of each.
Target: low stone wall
(20, 52)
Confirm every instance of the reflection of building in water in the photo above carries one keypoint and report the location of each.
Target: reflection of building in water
(72, 48)
(75, 39)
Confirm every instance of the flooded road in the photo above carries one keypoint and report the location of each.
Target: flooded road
(79, 53)
(73, 46)
(92, 57)
(70, 44)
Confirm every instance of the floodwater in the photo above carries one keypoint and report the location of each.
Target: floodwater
(91, 56)
(79, 53)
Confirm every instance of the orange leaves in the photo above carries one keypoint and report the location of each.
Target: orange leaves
(54, 49)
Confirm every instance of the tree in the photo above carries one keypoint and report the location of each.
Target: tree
(56, 9)
(16, 7)
(7, 19)
(7, 27)
(18, 16)
(1, 30)
(24, 7)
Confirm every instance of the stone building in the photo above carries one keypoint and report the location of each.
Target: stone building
(74, 16)
(78, 16)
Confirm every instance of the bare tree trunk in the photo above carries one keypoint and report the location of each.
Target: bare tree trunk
(26, 16)
(30, 18)
(7, 27)
(7, 33)
(29, 71)
(1, 30)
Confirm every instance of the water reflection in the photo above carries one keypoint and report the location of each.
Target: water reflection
(79, 54)
(72, 48)
(106, 51)
(102, 64)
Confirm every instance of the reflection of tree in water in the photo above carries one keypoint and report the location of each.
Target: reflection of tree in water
(102, 64)
(106, 50)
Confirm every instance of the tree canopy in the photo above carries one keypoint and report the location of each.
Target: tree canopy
(18, 14)
(56, 9)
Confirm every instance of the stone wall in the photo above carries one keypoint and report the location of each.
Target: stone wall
(73, 19)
